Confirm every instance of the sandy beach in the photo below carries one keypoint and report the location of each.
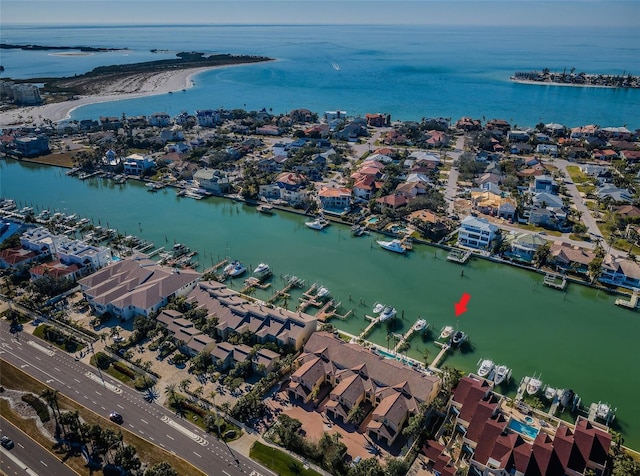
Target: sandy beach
(134, 86)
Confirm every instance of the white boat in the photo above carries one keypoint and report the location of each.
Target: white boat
(317, 224)
(387, 313)
(265, 208)
(446, 332)
(262, 270)
(393, 245)
(420, 325)
(501, 374)
(533, 385)
(550, 393)
(486, 367)
(237, 270)
(458, 338)
(378, 308)
(605, 412)
(322, 292)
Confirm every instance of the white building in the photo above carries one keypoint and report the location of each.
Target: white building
(135, 164)
(211, 180)
(42, 241)
(159, 119)
(207, 117)
(476, 232)
(88, 257)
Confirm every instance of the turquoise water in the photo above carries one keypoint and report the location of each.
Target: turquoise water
(578, 339)
(409, 72)
(523, 429)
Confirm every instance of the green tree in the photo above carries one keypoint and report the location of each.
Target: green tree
(127, 457)
(396, 467)
(161, 469)
(367, 467)
(542, 254)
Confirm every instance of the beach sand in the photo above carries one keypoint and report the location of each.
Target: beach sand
(132, 87)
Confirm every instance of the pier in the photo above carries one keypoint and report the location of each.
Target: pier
(330, 310)
(253, 282)
(216, 266)
(369, 328)
(555, 281)
(404, 339)
(293, 282)
(459, 255)
(445, 347)
(631, 303)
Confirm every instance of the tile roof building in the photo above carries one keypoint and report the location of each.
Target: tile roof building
(357, 376)
(135, 286)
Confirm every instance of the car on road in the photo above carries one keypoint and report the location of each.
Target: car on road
(115, 417)
(6, 442)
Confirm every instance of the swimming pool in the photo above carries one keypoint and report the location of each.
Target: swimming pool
(523, 429)
(372, 220)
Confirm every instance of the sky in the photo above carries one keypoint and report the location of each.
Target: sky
(597, 13)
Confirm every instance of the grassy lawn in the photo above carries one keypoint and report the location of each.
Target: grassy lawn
(198, 420)
(70, 345)
(279, 461)
(64, 159)
(586, 189)
(13, 378)
(539, 229)
(577, 176)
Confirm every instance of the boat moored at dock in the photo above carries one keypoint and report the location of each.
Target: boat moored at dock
(262, 271)
(318, 224)
(501, 374)
(486, 366)
(533, 385)
(394, 245)
(420, 325)
(458, 338)
(387, 313)
(265, 209)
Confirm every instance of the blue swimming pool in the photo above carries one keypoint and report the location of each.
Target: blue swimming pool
(372, 220)
(523, 429)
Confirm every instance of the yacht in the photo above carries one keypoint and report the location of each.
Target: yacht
(262, 271)
(446, 332)
(420, 325)
(322, 292)
(501, 374)
(358, 230)
(458, 338)
(550, 393)
(486, 366)
(237, 269)
(533, 385)
(317, 224)
(393, 245)
(605, 412)
(387, 313)
(265, 209)
(566, 399)
(378, 308)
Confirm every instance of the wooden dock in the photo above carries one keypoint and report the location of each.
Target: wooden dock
(445, 347)
(283, 293)
(631, 303)
(330, 310)
(216, 266)
(253, 282)
(403, 339)
(459, 255)
(369, 328)
(555, 281)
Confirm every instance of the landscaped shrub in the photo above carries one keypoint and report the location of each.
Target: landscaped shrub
(123, 369)
(38, 405)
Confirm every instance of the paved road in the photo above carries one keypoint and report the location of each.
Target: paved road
(27, 457)
(102, 394)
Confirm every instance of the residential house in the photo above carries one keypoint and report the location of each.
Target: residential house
(226, 355)
(18, 259)
(468, 124)
(523, 246)
(378, 120)
(268, 130)
(207, 117)
(617, 271)
(135, 286)
(89, 258)
(424, 156)
(137, 164)
(631, 156)
(352, 131)
(213, 181)
(334, 198)
(521, 136)
(42, 241)
(159, 119)
(567, 257)
(544, 183)
(520, 148)
(393, 201)
(31, 145)
(476, 233)
(616, 194)
(547, 149)
(55, 269)
(357, 376)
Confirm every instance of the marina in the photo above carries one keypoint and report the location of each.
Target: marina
(358, 275)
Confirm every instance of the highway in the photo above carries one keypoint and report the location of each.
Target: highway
(27, 457)
(102, 394)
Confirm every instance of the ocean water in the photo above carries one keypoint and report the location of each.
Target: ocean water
(409, 72)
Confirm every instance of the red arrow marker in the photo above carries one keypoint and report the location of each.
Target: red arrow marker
(461, 306)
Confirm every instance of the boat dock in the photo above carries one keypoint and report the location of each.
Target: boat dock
(522, 388)
(459, 255)
(403, 339)
(555, 281)
(253, 282)
(631, 303)
(369, 328)
(555, 403)
(293, 282)
(445, 347)
(330, 310)
(156, 252)
(216, 266)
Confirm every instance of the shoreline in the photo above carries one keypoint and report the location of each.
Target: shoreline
(573, 85)
(153, 85)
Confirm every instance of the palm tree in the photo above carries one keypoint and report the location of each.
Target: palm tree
(184, 384)
(170, 392)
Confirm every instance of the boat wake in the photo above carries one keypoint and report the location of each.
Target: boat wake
(335, 66)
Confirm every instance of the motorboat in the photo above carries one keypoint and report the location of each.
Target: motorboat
(358, 230)
(420, 325)
(387, 313)
(393, 245)
(237, 270)
(533, 385)
(378, 308)
(322, 292)
(458, 338)
(262, 271)
(446, 332)
(501, 374)
(550, 393)
(486, 366)
(566, 399)
(605, 412)
(317, 224)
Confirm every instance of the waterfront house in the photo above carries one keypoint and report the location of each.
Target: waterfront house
(89, 258)
(213, 181)
(159, 119)
(378, 120)
(468, 124)
(41, 241)
(18, 259)
(620, 272)
(31, 145)
(137, 164)
(476, 233)
(393, 201)
(236, 314)
(357, 377)
(523, 246)
(207, 117)
(567, 257)
(334, 199)
(135, 286)
(55, 269)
